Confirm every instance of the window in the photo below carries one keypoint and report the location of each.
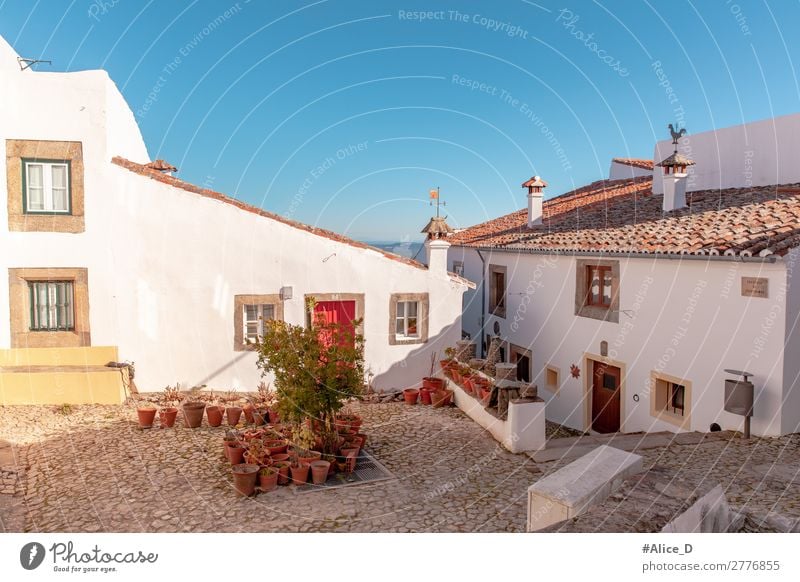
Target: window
(597, 289)
(406, 320)
(551, 378)
(250, 312)
(599, 286)
(497, 290)
(254, 317)
(458, 268)
(52, 306)
(46, 186)
(670, 399)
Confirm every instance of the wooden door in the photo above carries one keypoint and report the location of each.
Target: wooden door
(522, 359)
(605, 397)
(341, 312)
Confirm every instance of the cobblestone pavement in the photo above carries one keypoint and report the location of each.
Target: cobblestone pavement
(95, 470)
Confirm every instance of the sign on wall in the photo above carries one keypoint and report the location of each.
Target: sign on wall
(755, 287)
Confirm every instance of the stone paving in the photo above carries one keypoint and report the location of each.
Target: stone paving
(94, 470)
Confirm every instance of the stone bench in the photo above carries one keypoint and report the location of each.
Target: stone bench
(586, 481)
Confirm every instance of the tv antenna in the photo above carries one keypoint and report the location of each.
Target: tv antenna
(28, 63)
(436, 200)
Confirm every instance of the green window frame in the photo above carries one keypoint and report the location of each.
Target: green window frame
(52, 305)
(48, 190)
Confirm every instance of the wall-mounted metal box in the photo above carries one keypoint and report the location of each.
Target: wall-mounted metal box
(739, 397)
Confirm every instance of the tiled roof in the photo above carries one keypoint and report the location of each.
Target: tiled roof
(162, 166)
(175, 182)
(623, 216)
(635, 162)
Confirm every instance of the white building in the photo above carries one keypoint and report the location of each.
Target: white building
(108, 258)
(626, 312)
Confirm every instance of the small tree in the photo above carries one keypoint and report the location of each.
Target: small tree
(316, 368)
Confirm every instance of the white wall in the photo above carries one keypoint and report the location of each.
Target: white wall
(164, 264)
(753, 154)
(694, 304)
(626, 172)
(791, 358)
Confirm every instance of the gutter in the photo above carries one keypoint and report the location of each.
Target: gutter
(671, 256)
(483, 298)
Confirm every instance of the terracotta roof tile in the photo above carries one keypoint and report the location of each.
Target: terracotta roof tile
(177, 183)
(635, 162)
(623, 216)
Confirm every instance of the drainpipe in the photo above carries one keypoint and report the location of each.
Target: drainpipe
(483, 300)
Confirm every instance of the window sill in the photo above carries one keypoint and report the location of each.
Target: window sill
(599, 313)
(674, 419)
(401, 340)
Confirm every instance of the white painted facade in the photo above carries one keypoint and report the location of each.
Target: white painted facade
(753, 154)
(682, 317)
(620, 171)
(164, 264)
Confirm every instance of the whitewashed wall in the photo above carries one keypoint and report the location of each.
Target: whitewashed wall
(164, 264)
(752, 154)
(626, 172)
(724, 330)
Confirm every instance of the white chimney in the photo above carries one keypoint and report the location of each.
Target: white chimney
(674, 178)
(535, 188)
(436, 250)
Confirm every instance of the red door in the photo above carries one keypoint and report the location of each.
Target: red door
(341, 312)
(605, 397)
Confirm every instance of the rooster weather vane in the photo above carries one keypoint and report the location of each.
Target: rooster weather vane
(676, 135)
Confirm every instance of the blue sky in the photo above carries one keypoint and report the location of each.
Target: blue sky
(344, 113)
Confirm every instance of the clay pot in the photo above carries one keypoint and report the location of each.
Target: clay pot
(351, 458)
(283, 471)
(236, 454)
(300, 474)
(193, 414)
(312, 456)
(167, 416)
(214, 415)
(274, 417)
(319, 472)
(424, 395)
(244, 479)
(248, 413)
(146, 417)
(410, 395)
(233, 414)
(276, 447)
(260, 416)
(438, 398)
(363, 439)
(432, 383)
(268, 479)
(448, 397)
(228, 443)
(279, 458)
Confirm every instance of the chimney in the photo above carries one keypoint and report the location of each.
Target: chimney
(675, 174)
(162, 166)
(535, 188)
(436, 250)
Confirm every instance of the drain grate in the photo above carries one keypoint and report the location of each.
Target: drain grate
(368, 470)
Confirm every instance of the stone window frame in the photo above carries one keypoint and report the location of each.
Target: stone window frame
(658, 384)
(20, 308)
(582, 308)
(239, 301)
(497, 307)
(423, 312)
(20, 151)
(550, 369)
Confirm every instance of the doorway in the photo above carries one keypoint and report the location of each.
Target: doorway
(606, 396)
(524, 360)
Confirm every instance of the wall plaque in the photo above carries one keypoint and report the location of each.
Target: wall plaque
(755, 287)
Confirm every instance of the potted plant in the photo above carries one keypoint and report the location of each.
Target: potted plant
(244, 478)
(214, 414)
(268, 478)
(167, 416)
(299, 472)
(319, 471)
(233, 414)
(193, 413)
(410, 395)
(147, 414)
(283, 471)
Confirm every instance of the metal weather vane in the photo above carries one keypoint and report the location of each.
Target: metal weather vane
(676, 135)
(435, 200)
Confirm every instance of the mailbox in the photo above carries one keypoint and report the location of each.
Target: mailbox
(739, 397)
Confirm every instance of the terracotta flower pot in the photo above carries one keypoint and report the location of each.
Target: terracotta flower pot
(432, 383)
(283, 472)
(274, 417)
(244, 479)
(214, 415)
(193, 414)
(310, 457)
(300, 474)
(233, 414)
(319, 472)
(410, 395)
(438, 398)
(424, 395)
(351, 458)
(276, 447)
(279, 458)
(268, 479)
(248, 413)
(146, 417)
(363, 438)
(448, 397)
(228, 443)
(236, 454)
(167, 416)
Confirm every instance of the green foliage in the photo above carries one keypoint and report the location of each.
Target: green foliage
(316, 368)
